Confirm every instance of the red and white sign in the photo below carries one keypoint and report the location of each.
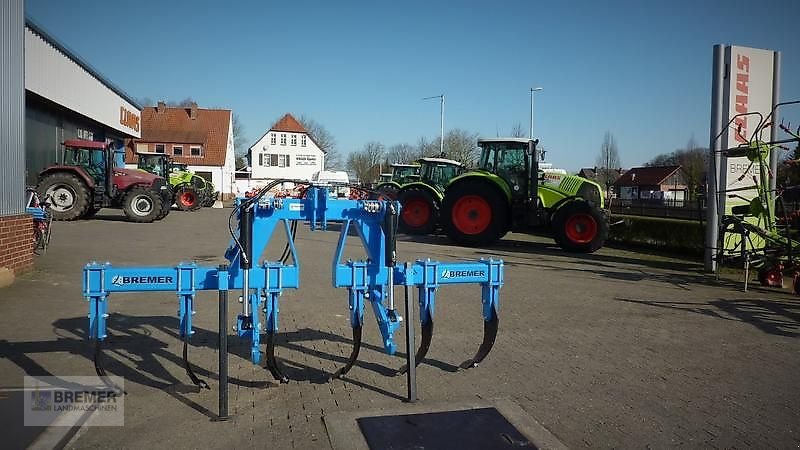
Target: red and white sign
(748, 89)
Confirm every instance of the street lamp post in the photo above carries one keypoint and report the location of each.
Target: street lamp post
(532, 91)
(441, 114)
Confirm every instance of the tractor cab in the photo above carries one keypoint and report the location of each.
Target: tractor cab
(155, 163)
(91, 156)
(404, 173)
(513, 160)
(178, 166)
(438, 172)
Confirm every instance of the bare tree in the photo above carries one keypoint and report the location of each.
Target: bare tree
(462, 146)
(324, 139)
(608, 162)
(692, 159)
(186, 102)
(518, 131)
(401, 153)
(426, 148)
(365, 163)
(145, 101)
(239, 139)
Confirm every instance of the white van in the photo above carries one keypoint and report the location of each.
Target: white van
(337, 179)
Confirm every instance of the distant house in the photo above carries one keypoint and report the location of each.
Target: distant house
(656, 184)
(198, 137)
(599, 176)
(286, 150)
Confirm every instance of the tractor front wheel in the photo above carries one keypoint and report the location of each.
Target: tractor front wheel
(475, 213)
(580, 227)
(142, 205)
(69, 196)
(420, 211)
(187, 199)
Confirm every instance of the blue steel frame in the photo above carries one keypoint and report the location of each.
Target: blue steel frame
(365, 279)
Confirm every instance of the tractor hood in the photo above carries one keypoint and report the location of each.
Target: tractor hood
(125, 179)
(135, 175)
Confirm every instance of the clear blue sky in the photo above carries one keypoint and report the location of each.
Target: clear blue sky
(640, 69)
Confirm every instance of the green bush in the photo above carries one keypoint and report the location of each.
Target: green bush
(669, 234)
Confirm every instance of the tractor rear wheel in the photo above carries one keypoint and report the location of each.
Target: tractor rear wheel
(142, 205)
(69, 196)
(475, 213)
(580, 227)
(420, 212)
(187, 198)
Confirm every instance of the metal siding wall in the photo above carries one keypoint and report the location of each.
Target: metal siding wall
(12, 108)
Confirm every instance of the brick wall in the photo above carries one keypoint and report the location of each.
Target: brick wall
(16, 243)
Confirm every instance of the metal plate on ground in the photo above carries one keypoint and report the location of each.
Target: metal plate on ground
(479, 428)
(450, 424)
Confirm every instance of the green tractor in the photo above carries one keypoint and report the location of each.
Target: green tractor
(190, 191)
(211, 194)
(389, 186)
(508, 191)
(422, 198)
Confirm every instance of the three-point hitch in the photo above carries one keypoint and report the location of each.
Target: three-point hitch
(371, 280)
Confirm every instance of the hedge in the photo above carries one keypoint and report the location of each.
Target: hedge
(669, 234)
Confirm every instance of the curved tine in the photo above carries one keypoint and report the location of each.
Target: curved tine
(489, 335)
(272, 362)
(353, 355)
(424, 346)
(197, 381)
(101, 371)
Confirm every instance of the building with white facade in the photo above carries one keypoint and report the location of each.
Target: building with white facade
(66, 98)
(201, 138)
(287, 150)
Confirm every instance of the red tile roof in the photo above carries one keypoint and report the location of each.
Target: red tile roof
(176, 126)
(290, 124)
(646, 176)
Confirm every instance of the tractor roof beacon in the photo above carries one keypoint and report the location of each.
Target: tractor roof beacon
(87, 181)
(508, 191)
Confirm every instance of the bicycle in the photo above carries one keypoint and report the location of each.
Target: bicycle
(42, 220)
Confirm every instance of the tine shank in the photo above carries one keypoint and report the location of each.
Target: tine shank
(272, 362)
(489, 335)
(424, 346)
(353, 355)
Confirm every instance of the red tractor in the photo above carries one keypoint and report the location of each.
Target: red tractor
(88, 181)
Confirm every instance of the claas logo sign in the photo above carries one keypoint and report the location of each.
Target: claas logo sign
(128, 118)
